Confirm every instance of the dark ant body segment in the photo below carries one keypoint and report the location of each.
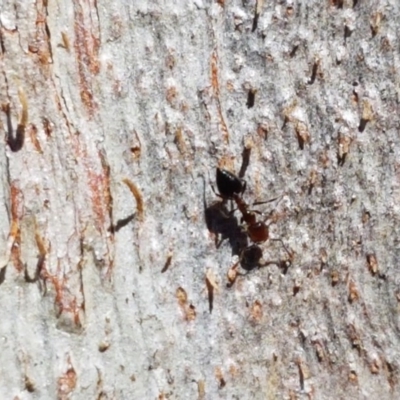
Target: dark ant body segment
(229, 184)
(251, 256)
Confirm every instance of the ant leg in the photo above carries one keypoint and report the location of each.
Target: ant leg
(225, 213)
(212, 186)
(264, 263)
(289, 253)
(215, 192)
(267, 216)
(218, 242)
(284, 265)
(267, 201)
(264, 202)
(257, 212)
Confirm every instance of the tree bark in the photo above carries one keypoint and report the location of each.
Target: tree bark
(115, 116)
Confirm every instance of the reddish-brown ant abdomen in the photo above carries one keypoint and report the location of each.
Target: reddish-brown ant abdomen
(258, 232)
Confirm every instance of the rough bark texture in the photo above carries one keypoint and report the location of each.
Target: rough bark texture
(112, 286)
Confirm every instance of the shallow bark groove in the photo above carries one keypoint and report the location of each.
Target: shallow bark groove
(123, 275)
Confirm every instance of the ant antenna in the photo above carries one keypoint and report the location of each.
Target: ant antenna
(257, 203)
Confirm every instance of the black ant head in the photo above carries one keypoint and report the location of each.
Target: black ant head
(229, 184)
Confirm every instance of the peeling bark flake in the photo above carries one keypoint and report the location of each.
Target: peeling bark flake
(14, 239)
(220, 377)
(256, 311)
(67, 382)
(372, 264)
(87, 50)
(138, 197)
(216, 89)
(168, 262)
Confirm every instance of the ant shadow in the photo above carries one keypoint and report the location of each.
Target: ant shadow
(16, 142)
(225, 226)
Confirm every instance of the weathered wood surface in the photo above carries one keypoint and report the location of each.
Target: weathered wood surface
(120, 113)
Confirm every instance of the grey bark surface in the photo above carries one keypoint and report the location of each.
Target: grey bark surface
(107, 262)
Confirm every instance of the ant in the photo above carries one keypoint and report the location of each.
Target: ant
(231, 187)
